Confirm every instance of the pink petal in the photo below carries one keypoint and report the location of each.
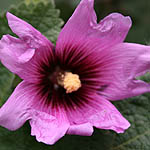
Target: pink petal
(14, 52)
(83, 24)
(32, 37)
(21, 55)
(17, 109)
(85, 129)
(23, 105)
(129, 61)
(98, 112)
(48, 128)
(108, 117)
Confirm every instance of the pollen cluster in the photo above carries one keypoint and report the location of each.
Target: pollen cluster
(69, 81)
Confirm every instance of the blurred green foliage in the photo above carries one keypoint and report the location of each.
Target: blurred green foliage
(6, 81)
(46, 19)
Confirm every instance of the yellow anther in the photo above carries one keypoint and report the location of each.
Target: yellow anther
(69, 81)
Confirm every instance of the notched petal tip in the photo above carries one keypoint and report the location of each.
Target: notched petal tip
(126, 20)
(47, 128)
(122, 130)
(116, 23)
(122, 126)
(113, 121)
(107, 117)
(27, 33)
(83, 24)
(13, 59)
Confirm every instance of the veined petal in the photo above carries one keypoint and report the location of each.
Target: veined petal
(83, 24)
(114, 28)
(97, 112)
(14, 52)
(22, 106)
(85, 129)
(130, 61)
(32, 37)
(21, 56)
(108, 117)
(47, 128)
(17, 109)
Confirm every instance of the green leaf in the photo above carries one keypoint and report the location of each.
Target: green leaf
(137, 111)
(6, 80)
(41, 14)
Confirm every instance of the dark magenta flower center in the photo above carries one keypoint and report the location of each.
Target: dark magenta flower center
(77, 62)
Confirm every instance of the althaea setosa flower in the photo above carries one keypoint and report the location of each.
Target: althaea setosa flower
(67, 88)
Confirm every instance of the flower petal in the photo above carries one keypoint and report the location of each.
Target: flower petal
(83, 24)
(129, 61)
(21, 55)
(85, 129)
(98, 112)
(32, 37)
(48, 128)
(108, 117)
(14, 52)
(17, 109)
(23, 105)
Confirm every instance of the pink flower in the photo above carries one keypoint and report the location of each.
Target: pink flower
(67, 88)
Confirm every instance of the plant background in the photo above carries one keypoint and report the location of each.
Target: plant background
(43, 15)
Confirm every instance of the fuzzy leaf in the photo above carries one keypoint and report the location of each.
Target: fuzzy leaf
(41, 14)
(137, 111)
